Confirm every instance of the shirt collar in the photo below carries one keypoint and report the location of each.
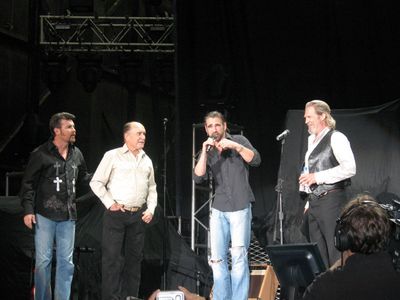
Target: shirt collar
(125, 149)
(52, 147)
(317, 138)
(228, 136)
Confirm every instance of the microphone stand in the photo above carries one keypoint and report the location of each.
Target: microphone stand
(279, 213)
(164, 176)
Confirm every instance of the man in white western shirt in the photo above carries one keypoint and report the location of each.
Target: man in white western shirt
(124, 182)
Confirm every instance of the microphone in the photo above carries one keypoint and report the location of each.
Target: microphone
(283, 135)
(209, 147)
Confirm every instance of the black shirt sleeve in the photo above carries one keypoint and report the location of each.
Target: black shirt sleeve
(30, 181)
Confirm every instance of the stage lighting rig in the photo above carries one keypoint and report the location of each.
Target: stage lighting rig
(82, 34)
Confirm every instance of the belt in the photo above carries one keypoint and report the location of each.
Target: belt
(131, 208)
(329, 191)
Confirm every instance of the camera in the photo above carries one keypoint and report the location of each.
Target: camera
(170, 295)
(393, 211)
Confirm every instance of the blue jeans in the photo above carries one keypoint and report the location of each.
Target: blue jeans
(46, 231)
(234, 227)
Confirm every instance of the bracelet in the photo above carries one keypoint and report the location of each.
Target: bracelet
(240, 149)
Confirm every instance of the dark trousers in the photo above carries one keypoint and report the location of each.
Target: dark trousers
(322, 215)
(122, 254)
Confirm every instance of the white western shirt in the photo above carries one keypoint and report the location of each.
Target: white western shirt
(128, 179)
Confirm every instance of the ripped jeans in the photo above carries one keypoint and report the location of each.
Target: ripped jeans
(234, 227)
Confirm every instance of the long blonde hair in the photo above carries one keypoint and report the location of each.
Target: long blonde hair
(321, 107)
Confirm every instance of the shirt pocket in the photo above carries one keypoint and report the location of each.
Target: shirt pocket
(122, 169)
(143, 172)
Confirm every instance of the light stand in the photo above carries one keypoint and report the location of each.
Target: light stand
(279, 212)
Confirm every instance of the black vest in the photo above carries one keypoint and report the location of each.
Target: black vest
(320, 159)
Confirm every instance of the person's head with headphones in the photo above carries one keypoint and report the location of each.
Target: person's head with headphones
(363, 227)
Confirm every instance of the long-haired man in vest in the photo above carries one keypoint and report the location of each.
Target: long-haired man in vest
(328, 165)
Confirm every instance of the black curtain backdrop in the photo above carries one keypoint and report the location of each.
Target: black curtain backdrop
(255, 60)
(374, 135)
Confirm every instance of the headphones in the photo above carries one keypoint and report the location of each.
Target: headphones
(343, 240)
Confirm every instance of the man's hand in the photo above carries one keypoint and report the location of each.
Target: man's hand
(228, 144)
(29, 220)
(147, 217)
(117, 206)
(153, 296)
(209, 143)
(189, 295)
(307, 179)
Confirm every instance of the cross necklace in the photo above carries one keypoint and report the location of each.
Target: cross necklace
(57, 181)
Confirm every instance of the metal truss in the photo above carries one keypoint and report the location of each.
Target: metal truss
(107, 34)
(196, 223)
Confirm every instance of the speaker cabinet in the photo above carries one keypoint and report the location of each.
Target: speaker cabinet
(263, 283)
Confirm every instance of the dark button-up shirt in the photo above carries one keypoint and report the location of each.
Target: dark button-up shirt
(49, 183)
(231, 176)
(363, 277)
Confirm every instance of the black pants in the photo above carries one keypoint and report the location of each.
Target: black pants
(322, 215)
(122, 254)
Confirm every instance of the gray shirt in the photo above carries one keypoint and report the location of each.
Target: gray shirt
(231, 176)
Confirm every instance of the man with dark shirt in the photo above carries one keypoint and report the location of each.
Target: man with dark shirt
(228, 157)
(48, 192)
(366, 271)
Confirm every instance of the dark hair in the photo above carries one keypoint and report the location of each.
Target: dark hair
(366, 224)
(55, 120)
(126, 127)
(214, 114)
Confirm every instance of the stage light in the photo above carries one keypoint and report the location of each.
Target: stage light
(89, 71)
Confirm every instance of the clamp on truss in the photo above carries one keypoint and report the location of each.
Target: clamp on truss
(107, 34)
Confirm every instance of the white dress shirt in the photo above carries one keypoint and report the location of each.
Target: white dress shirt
(125, 178)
